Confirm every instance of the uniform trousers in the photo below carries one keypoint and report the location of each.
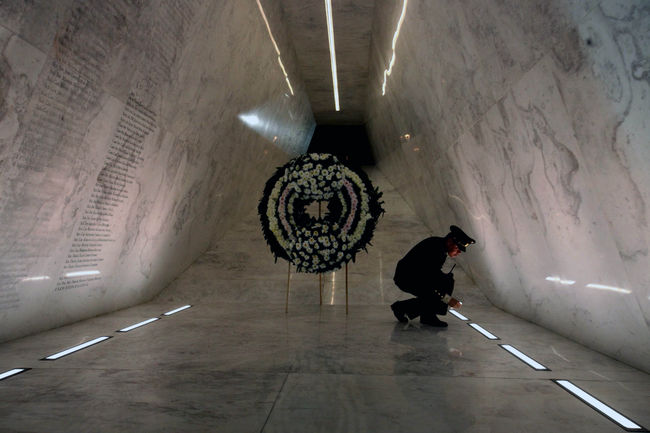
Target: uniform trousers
(427, 302)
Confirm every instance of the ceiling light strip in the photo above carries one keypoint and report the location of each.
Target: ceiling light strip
(483, 331)
(525, 358)
(388, 71)
(599, 406)
(74, 349)
(184, 307)
(286, 76)
(330, 33)
(13, 372)
(137, 325)
(457, 314)
(275, 45)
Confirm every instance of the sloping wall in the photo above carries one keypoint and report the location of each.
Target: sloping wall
(526, 123)
(132, 135)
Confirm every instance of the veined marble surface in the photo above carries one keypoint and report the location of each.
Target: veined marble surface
(236, 362)
(240, 268)
(526, 124)
(132, 136)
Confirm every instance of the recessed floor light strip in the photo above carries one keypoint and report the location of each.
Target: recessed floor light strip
(527, 359)
(41, 278)
(81, 273)
(613, 289)
(137, 325)
(13, 372)
(74, 349)
(561, 281)
(601, 407)
(457, 314)
(484, 332)
(185, 307)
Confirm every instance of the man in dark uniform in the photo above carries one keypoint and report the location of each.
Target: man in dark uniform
(419, 273)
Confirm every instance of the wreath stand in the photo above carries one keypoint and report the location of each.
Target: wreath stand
(320, 281)
(320, 288)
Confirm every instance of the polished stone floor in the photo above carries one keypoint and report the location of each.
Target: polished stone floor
(236, 362)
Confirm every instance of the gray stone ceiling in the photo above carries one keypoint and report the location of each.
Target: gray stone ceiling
(307, 27)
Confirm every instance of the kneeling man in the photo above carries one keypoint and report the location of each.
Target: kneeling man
(419, 273)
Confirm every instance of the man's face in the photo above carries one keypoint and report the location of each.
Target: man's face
(452, 248)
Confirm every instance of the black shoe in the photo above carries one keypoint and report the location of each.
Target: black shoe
(433, 321)
(398, 314)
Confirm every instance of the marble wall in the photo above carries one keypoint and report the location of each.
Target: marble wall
(526, 123)
(132, 136)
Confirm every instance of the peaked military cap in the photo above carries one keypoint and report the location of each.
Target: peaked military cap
(460, 238)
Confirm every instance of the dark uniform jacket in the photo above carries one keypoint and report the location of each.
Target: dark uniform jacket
(419, 272)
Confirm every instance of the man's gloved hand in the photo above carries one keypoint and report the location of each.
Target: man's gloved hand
(454, 303)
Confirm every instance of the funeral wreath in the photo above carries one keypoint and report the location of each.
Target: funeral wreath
(319, 244)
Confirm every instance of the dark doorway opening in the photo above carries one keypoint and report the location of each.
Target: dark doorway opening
(349, 143)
